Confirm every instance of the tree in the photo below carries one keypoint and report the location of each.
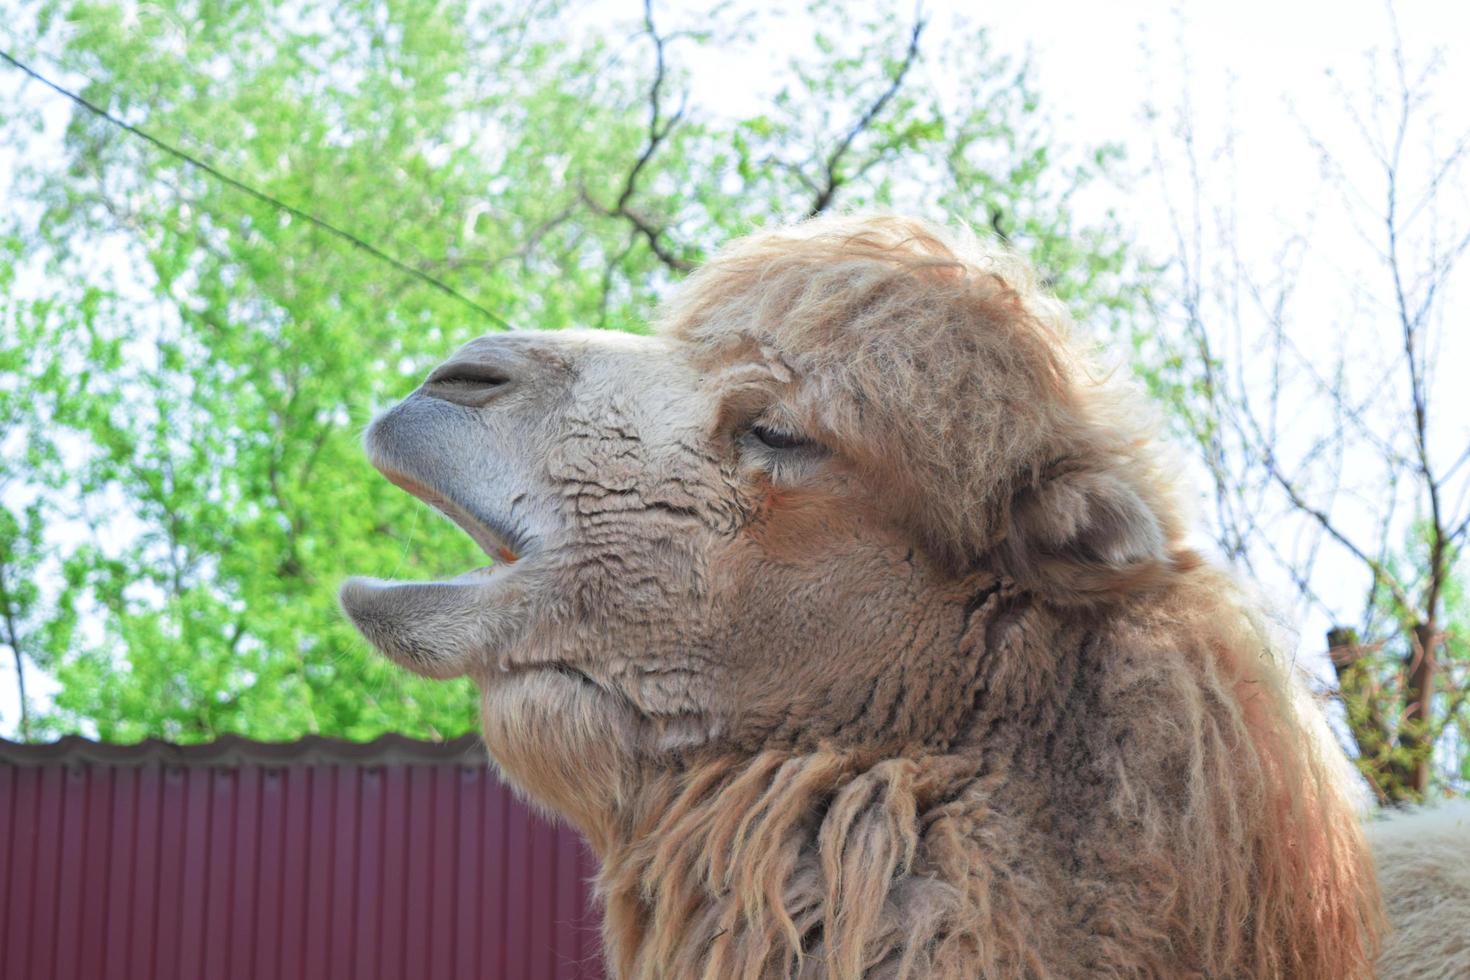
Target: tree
(223, 355)
(1326, 455)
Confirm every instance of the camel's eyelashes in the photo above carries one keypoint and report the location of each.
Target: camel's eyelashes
(776, 439)
(782, 455)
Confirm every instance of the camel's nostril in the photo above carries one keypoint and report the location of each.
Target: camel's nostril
(466, 382)
(467, 375)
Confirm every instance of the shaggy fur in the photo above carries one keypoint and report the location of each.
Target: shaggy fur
(852, 622)
(1424, 866)
(1136, 810)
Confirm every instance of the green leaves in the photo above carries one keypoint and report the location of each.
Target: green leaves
(190, 369)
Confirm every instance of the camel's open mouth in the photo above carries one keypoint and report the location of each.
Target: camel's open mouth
(447, 627)
(503, 544)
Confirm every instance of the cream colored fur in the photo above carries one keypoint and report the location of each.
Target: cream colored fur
(1424, 869)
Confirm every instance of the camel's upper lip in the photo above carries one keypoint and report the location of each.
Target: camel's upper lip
(495, 537)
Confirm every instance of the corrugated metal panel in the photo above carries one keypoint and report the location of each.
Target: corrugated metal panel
(312, 861)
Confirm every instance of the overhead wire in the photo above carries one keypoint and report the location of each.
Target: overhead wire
(259, 195)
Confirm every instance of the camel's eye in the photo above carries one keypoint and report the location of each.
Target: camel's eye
(782, 454)
(776, 439)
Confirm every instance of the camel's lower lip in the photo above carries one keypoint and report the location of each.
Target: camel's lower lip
(440, 628)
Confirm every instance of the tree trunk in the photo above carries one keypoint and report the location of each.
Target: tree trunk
(1357, 687)
(1418, 705)
(13, 634)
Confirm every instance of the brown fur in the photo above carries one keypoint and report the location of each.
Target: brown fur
(938, 691)
(1198, 837)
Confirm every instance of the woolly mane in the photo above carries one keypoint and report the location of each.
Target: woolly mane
(829, 863)
(1126, 787)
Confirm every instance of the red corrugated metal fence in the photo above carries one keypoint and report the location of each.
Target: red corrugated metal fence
(317, 860)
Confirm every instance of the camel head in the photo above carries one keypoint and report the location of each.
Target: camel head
(848, 616)
(769, 524)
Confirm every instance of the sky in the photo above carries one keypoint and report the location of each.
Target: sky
(1269, 77)
(1261, 77)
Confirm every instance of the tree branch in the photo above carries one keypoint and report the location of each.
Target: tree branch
(13, 639)
(1377, 568)
(1451, 712)
(831, 179)
(659, 129)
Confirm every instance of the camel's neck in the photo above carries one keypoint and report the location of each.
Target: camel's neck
(745, 867)
(1115, 802)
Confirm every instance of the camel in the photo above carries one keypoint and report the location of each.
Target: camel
(850, 617)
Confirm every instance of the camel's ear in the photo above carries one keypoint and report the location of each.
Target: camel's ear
(1084, 530)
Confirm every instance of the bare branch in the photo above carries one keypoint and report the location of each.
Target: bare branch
(1451, 712)
(659, 129)
(832, 179)
(1246, 350)
(1454, 536)
(605, 298)
(1376, 567)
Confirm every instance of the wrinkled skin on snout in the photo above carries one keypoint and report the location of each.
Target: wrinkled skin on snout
(680, 560)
